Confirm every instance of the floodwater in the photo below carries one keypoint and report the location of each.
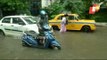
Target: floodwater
(75, 45)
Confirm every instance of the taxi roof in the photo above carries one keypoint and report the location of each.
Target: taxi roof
(76, 15)
(69, 14)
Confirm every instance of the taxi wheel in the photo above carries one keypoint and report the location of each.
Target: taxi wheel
(86, 29)
(2, 35)
(55, 27)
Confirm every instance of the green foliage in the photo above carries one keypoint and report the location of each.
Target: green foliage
(72, 6)
(18, 5)
(54, 9)
(100, 16)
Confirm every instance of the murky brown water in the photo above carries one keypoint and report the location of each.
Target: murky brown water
(75, 45)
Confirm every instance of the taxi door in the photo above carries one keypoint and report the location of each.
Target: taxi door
(58, 21)
(17, 25)
(6, 24)
(71, 22)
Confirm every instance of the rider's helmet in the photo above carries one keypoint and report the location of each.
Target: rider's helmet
(43, 12)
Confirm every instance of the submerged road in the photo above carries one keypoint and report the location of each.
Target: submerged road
(75, 45)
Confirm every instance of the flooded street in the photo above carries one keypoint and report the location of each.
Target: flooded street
(75, 45)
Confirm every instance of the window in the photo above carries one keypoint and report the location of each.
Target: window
(30, 20)
(6, 20)
(70, 17)
(60, 18)
(18, 21)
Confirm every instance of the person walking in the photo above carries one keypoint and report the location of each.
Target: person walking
(63, 23)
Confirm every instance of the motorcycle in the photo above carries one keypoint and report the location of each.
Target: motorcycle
(44, 40)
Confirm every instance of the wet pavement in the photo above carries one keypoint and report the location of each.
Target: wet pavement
(75, 45)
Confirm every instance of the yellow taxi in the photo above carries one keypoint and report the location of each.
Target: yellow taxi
(74, 23)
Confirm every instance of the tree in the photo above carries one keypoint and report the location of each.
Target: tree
(9, 7)
(73, 6)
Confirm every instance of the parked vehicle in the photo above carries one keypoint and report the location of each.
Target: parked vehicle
(17, 24)
(74, 23)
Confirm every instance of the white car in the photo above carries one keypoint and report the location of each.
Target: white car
(16, 25)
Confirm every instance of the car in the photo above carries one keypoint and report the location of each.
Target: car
(17, 24)
(74, 23)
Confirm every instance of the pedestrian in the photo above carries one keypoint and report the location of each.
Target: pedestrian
(63, 23)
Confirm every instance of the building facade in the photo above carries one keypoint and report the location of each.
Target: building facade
(46, 3)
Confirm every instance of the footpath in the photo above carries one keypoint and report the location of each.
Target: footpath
(101, 24)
